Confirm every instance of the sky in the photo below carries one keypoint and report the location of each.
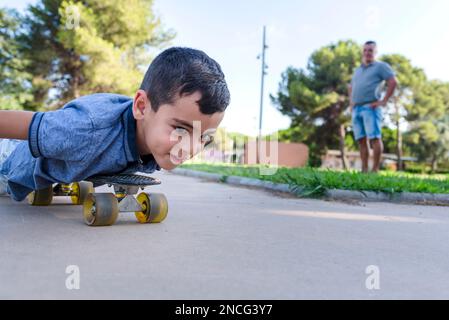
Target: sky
(231, 33)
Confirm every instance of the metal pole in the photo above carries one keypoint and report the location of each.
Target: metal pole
(264, 47)
(264, 66)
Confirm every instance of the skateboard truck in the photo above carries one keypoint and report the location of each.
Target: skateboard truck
(126, 201)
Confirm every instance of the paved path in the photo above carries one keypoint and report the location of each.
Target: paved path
(226, 242)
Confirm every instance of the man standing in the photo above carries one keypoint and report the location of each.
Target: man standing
(366, 103)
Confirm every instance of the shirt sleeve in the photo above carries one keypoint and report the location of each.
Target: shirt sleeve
(386, 72)
(65, 134)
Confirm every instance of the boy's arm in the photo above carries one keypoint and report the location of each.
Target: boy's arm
(15, 124)
(65, 134)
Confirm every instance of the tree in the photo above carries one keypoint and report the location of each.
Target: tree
(409, 78)
(13, 90)
(429, 122)
(80, 47)
(316, 99)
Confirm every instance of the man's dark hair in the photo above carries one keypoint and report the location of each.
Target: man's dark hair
(370, 43)
(178, 71)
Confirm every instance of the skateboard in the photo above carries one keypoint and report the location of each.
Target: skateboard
(102, 209)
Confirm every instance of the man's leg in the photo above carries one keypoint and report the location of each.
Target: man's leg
(378, 148)
(364, 154)
(360, 136)
(372, 119)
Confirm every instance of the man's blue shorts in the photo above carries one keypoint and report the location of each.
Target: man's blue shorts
(367, 122)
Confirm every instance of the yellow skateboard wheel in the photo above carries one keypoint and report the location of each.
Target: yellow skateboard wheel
(80, 190)
(41, 197)
(155, 207)
(100, 209)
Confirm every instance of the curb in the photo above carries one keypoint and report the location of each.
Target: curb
(334, 194)
(404, 197)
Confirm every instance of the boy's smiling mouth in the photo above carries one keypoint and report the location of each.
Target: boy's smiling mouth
(175, 160)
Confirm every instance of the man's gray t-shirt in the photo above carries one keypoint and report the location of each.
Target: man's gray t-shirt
(366, 81)
(95, 134)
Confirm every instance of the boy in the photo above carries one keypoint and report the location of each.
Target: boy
(109, 133)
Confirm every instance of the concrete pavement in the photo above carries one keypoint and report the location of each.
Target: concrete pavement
(226, 242)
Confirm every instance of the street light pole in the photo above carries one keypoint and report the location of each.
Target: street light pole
(264, 66)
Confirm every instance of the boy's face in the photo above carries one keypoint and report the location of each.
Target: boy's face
(176, 132)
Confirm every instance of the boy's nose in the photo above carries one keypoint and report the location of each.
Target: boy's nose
(189, 149)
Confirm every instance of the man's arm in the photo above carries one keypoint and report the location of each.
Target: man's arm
(392, 84)
(351, 103)
(15, 124)
(391, 87)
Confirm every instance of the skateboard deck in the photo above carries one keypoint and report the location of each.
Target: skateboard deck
(124, 179)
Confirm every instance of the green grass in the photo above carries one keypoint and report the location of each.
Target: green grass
(313, 182)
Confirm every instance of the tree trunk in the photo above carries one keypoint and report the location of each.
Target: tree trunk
(434, 163)
(342, 135)
(399, 154)
(76, 83)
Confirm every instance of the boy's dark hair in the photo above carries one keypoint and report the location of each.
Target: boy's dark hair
(371, 43)
(186, 71)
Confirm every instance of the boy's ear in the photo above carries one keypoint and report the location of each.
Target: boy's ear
(141, 102)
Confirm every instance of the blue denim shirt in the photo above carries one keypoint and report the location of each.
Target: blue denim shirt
(95, 134)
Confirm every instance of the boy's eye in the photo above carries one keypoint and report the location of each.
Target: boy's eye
(207, 139)
(181, 131)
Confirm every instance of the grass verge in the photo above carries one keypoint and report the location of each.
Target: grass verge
(314, 182)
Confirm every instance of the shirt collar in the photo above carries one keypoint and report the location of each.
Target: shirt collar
(368, 65)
